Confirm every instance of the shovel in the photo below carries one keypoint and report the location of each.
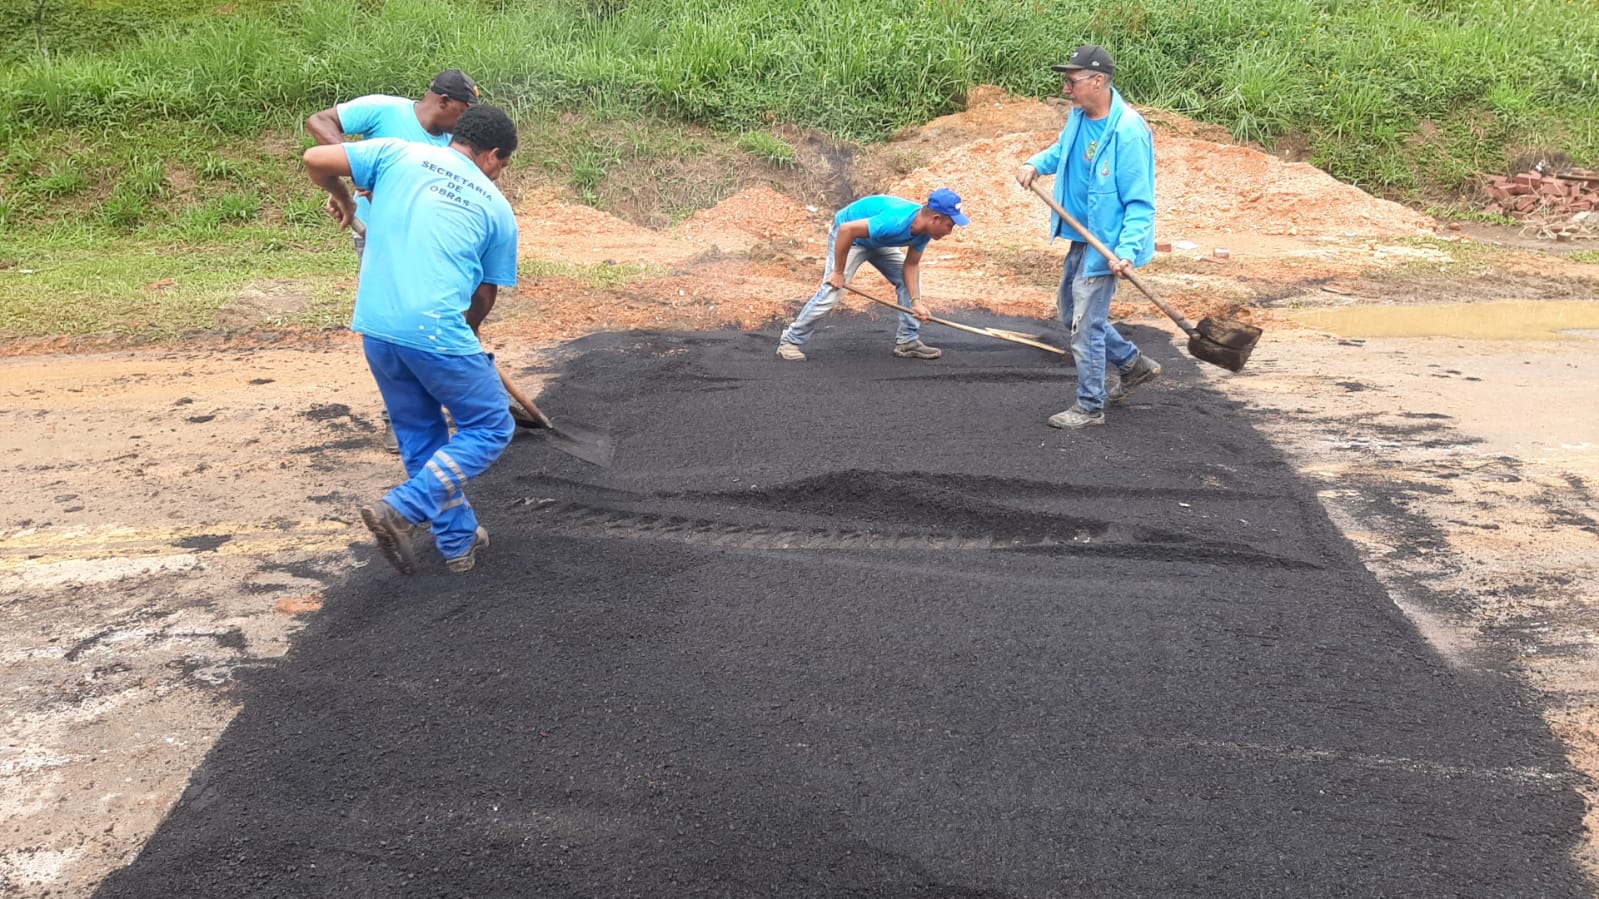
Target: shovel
(1221, 342)
(995, 333)
(593, 448)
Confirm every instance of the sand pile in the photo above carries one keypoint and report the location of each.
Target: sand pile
(748, 217)
(562, 231)
(1202, 189)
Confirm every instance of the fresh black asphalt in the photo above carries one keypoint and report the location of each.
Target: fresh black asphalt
(867, 627)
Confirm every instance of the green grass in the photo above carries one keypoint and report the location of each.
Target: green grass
(603, 276)
(147, 290)
(142, 134)
(767, 147)
(1591, 257)
(1395, 94)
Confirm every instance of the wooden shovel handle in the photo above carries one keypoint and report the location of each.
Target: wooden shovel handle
(524, 402)
(1181, 320)
(986, 332)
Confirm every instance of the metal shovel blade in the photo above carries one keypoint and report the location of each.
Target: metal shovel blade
(581, 443)
(1223, 342)
(578, 442)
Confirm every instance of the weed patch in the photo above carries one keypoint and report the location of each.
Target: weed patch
(1359, 83)
(148, 290)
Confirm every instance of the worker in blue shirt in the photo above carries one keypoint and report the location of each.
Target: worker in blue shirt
(428, 120)
(441, 241)
(890, 233)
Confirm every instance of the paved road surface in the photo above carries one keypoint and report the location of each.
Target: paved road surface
(867, 627)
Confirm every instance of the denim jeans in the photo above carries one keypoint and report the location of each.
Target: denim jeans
(888, 260)
(417, 387)
(1085, 308)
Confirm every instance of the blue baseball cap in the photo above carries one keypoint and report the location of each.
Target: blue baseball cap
(947, 202)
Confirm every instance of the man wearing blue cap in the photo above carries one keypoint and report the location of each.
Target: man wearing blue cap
(1104, 170)
(890, 233)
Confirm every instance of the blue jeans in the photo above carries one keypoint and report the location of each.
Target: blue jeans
(417, 387)
(1085, 308)
(888, 260)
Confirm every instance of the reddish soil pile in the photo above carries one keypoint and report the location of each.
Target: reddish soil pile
(747, 218)
(1202, 189)
(755, 257)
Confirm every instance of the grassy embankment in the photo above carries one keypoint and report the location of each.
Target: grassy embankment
(146, 140)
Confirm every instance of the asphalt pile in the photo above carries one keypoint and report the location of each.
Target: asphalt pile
(866, 626)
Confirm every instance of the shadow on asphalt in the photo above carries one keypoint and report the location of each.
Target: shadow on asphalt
(867, 627)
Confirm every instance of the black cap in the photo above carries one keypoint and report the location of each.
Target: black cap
(1091, 57)
(454, 83)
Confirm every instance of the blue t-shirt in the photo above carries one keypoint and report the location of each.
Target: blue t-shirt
(888, 222)
(1080, 167)
(438, 228)
(379, 115)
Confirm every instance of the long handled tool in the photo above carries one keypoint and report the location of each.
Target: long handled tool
(995, 333)
(1221, 342)
(580, 443)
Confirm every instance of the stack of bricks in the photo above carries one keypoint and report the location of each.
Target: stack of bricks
(1531, 195)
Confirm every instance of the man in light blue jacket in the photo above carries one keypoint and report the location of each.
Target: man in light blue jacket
(1104, 169)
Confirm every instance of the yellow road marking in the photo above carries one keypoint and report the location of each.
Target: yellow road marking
(30, 548)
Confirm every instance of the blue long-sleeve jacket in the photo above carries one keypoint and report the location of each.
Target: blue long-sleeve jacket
(1121, 197)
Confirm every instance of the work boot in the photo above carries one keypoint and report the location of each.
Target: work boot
(790, 352)
(1142, 371)
(1077, 417)
(391, 443)
(393, 533)
(1139, 373)
(915, 349)
(464, 562)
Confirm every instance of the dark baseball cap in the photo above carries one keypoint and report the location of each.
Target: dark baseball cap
(455, 84)
(1092, 57)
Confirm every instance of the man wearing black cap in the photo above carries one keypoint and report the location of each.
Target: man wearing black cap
(429, 120)
(1104, 169)
(443, 243)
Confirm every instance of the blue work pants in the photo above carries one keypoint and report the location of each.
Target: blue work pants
(417, 387)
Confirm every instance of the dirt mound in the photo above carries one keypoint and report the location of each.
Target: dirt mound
(989, 112)
(558, 230)
(749, 217)
(1203, 188)
(554, 229)
(1207, 187)
(755, 256)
